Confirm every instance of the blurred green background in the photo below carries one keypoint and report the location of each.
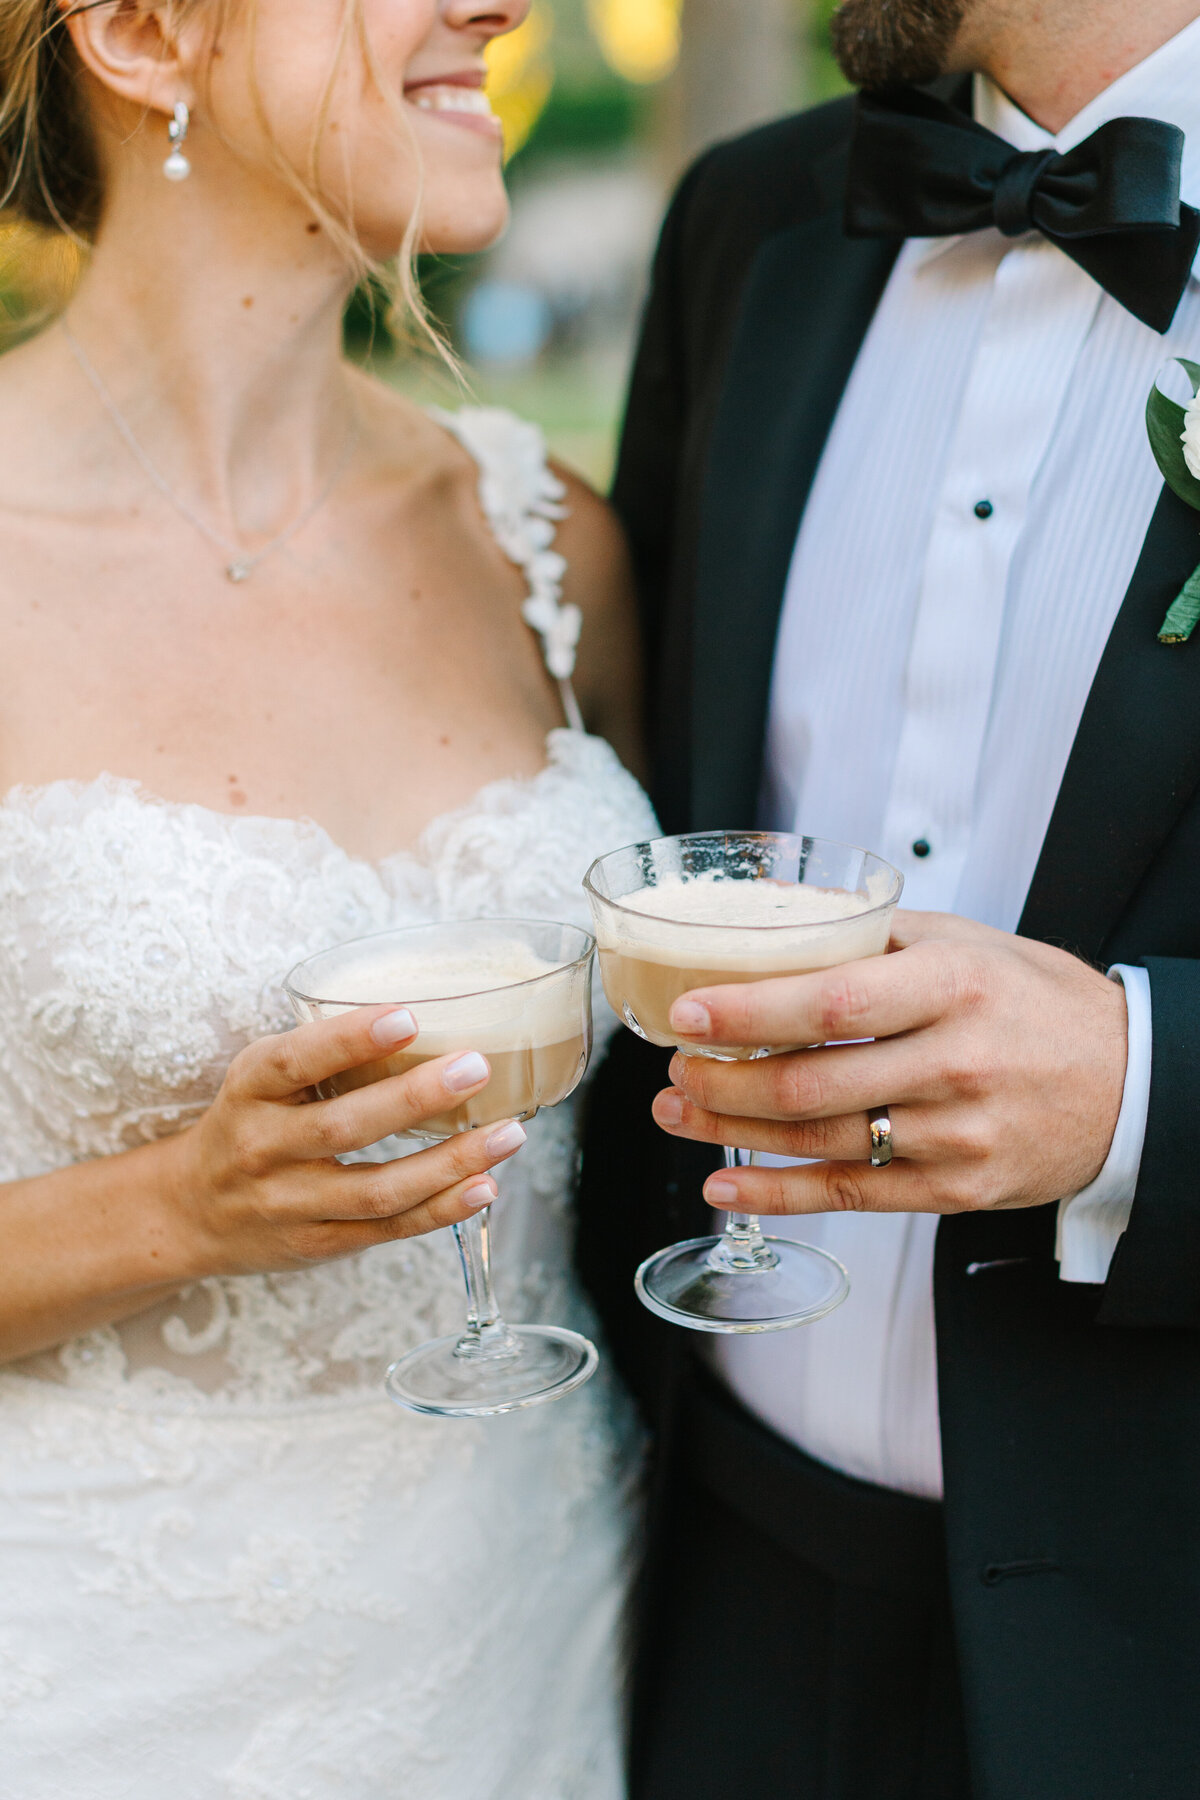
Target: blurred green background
(604, 103)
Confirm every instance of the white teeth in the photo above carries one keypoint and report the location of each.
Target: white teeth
(453, 99)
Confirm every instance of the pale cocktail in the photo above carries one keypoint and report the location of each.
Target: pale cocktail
(676, 914)
(518, 991)
(655, 954)
(536, 1039)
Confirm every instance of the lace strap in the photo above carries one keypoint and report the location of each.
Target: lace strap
(522, 500)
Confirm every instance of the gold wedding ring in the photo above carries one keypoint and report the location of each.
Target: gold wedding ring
(881, 1140)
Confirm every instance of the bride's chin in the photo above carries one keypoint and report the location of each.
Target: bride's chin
(453, 228)
(454, 233)
(445, 232)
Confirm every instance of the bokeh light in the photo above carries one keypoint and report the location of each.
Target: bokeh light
(521, 75)
(639, 38)
(38, 270)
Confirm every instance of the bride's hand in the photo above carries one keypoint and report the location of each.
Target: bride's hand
(258, 1186)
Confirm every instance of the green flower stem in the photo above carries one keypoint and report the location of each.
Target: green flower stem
(1181, 620)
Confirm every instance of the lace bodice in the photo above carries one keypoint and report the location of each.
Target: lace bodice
(143, 942)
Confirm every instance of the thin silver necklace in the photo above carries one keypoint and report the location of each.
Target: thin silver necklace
(242, 563)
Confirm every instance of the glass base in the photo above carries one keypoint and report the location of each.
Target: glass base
(466, 1378)
(793, 1285)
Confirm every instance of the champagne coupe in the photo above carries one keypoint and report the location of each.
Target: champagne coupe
(733, 906)
(519, 991)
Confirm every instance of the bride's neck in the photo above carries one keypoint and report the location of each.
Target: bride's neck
(217, 333)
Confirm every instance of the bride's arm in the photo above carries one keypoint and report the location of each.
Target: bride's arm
(86, 1246)
(608, 674)
(253, 1187)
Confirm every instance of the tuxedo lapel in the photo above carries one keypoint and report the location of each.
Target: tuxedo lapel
(809, 298)
(1136, 757)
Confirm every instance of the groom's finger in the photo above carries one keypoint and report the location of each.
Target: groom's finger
(878, 996)
(833, 1187)
(819, 1084)
(910, 927)
(846, 1138)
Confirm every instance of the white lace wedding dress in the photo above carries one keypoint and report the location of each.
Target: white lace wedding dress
(230, 1569)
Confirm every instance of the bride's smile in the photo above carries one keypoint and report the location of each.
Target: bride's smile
(459, 100)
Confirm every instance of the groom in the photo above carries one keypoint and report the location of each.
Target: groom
(904, 555)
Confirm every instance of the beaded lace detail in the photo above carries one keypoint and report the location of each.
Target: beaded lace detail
(522, 499)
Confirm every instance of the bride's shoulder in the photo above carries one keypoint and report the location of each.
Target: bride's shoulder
(523, 475)
(494, 452)
(600, 580)
(523, 488)
(538, 506)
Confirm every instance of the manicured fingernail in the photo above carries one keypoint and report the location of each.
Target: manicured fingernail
(394, 1027)
(480, 1194)
(505, 1139)
(720, 1193)
(668, 1108)
(691, 1018)
(466, 1072)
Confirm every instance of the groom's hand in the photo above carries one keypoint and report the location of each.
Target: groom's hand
(1000, 1062)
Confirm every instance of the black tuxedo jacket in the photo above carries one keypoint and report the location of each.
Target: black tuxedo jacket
(1070, 1415)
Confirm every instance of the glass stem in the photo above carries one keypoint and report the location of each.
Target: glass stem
(487, 1338)
(742, 1249)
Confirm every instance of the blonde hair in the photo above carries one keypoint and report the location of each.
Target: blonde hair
(49, 167)
(50, 170)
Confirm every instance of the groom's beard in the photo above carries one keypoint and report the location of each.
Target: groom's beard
(878, 42)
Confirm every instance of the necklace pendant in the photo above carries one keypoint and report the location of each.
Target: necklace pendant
(239, 571)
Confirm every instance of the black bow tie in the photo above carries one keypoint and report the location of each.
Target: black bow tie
(918, 168)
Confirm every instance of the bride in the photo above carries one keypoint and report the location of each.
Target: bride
(285, 662)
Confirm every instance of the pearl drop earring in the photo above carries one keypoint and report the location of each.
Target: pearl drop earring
(177, 167)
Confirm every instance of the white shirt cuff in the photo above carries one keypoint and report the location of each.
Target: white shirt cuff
(1090, 1223)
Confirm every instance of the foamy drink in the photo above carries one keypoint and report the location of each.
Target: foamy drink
(693, 932)
(522, 1081)
(529, 1017)
(520, 992)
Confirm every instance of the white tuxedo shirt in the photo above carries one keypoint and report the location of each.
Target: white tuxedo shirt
(975, 520)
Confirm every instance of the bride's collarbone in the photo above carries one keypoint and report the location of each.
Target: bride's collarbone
(371, 738)
(373, 804)
(373, 675)
(431, 596)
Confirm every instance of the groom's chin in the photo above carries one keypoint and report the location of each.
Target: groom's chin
(878, 43)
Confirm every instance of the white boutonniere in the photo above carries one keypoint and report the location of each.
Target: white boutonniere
(1174, 433)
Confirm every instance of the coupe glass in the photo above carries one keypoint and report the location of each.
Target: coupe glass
(536, 1033)
(739, 1281)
